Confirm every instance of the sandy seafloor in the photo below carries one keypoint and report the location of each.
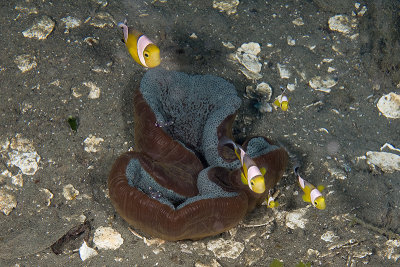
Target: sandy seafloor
(327, 131)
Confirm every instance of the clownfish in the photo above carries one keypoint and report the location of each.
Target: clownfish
(282, 101)
(251, 175)
(271, 203)
(312, 194)
(142, 50)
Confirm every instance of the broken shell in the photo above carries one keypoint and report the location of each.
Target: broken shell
(246, 55)
(86, 252)
(283, 71)
(322, 84)
(264, 89)
(387, 162)
(389, 105)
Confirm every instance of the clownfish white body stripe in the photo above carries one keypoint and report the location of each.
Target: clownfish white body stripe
(251, 174)
(140, 47)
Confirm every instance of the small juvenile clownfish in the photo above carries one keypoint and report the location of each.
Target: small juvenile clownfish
(312, 194)
(142, 50)
(271, 203)
(282, 101)
(251, 175)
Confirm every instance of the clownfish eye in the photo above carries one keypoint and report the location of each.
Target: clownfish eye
(315, 203)
(146, 54)
(252, 183)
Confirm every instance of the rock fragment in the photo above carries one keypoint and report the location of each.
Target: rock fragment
(25, 62)
(70, 23)
(228, 6)
(94, 90)
(23, 155)
(295, 219)
(103, 19)
(389, 105)
(7, 202)
(48, 195)
(298, 21)
(69, 192)
(225, 248)
(341, 23)
(92, 143)
(107, 238)
(329, 236)
(387, 162)
(40, 29)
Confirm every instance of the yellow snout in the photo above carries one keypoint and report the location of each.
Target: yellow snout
(257, 184)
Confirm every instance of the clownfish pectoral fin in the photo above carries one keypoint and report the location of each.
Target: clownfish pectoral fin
(306, 198)
(320, 188)
(243, 178)
(263, 171)
(277, 103)
(273, 204)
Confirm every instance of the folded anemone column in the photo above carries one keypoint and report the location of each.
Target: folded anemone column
(177, 183)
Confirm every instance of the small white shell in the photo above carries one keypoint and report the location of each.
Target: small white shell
(389, 105)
